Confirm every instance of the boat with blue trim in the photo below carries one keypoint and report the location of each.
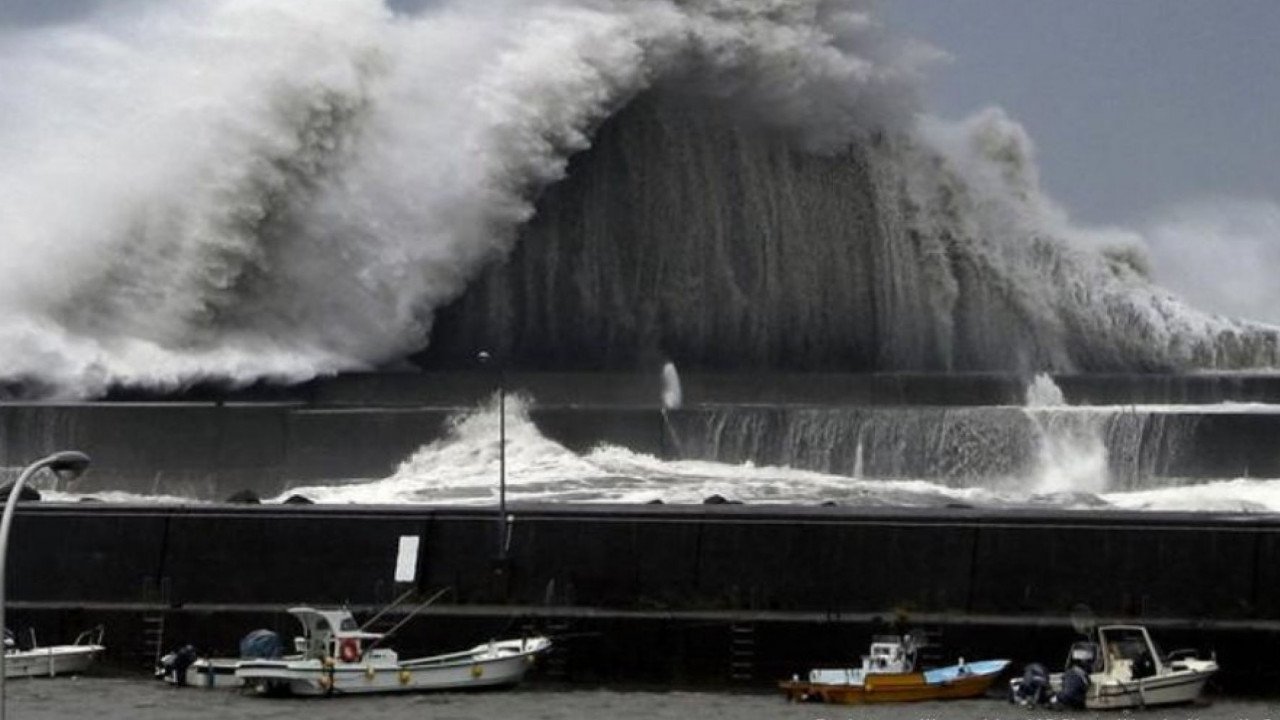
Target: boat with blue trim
(888, 674)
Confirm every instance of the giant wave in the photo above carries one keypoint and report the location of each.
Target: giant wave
(239, 190)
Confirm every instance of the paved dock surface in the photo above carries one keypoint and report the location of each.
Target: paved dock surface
(142, 699)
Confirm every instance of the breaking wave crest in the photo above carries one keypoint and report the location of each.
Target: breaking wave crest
(266, 189)
(239, 190)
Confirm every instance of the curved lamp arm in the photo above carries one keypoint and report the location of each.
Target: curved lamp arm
(68, 462)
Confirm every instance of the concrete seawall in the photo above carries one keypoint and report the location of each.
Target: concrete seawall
(463, 388)
(808, 584)
(209, 451)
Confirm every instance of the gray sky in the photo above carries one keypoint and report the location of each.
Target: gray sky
(1133, 104)
(1161, 116)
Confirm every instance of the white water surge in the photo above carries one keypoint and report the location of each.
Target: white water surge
(462, 468)
(245, 189)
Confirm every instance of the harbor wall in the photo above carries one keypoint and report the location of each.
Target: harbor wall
(806, 584)
(210, 451)
(643, 388)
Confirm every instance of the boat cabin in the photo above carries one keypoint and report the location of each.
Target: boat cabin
(330, 634)
(1127, 652)
(888, 655)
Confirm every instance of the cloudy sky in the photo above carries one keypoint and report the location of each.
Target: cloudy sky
(1161, 116)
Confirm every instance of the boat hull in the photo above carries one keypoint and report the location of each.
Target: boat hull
(895, 687)
(481, 667)
(207, 673)
(1173, 689)
(50, 661)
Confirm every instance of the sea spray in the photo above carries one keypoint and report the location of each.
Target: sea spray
(258, 189)
(672, 399)
(672, 393)
(1071, 452)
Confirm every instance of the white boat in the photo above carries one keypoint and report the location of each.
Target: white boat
(52, 660)
(336, 657)
(1125, 669)
(201, 672)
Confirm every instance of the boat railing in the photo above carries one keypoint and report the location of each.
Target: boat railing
(470, 655)
(92, 636)
(439, 594)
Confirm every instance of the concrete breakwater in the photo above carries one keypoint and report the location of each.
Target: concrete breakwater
(671, 593)
(209, 443)
(208, 451)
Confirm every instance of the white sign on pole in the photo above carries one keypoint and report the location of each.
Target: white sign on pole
(407, 559)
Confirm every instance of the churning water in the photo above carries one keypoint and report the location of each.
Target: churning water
(1065, 463)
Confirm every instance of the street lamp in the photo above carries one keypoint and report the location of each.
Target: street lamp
(485, 358)
(68, 462)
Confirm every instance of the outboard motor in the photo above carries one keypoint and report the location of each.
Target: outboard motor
(261, 644)
(1033, 691)
(176, 663)
(1075, 686)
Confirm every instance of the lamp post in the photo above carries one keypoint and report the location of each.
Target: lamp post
(485, 358)
(70, 462)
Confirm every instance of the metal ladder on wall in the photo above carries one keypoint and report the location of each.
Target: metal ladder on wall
(152, 640)
(151, 646)
(931, 652)
(742, 651)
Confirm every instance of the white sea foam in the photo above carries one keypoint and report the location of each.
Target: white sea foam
(463, 467)
(1238, 495)
(247, 189)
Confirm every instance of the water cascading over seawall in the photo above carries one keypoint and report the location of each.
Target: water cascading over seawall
(1003, 448)
(691, 231)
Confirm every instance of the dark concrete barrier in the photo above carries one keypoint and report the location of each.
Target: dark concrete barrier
(662, 590)
(786, 559)
(329, 444)
(181, 449)
(92, 553)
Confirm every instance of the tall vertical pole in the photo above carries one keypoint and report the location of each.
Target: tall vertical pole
(70, 461)
(14, 491)
(485, 357)
(502, 462)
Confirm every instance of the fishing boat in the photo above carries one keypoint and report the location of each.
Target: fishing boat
(51, 660)
(888, 674)
(1118, 667)
(336, 657)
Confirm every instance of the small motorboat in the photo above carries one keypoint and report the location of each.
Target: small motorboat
(1122, 668)
(184, 667)
(888, 674)
(51, 660)
(335, 657)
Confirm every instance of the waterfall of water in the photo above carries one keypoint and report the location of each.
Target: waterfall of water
(672, 395)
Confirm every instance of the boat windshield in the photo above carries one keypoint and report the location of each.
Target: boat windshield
(349, 623)
(1130, 645)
